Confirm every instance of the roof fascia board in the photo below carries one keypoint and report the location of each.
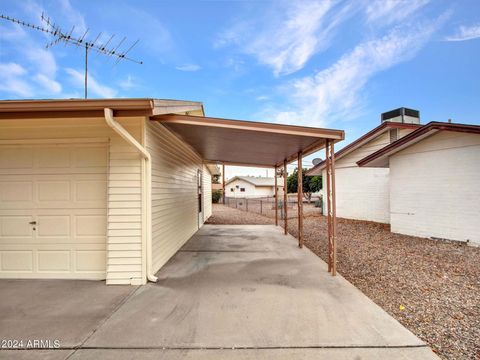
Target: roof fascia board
(250, 126)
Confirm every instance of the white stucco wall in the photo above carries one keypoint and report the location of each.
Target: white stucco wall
(362, 193)
(435, 188)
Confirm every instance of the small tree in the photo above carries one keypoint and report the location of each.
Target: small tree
(311, 184)
(216, 195)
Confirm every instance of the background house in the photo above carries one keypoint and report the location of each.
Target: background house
(251, 187)
(363, 193)
(434, 181)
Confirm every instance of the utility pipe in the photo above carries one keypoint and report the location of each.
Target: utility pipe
(120, 130)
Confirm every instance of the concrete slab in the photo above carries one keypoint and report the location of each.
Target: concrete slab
(35, 354)
(251, 354)
(266, 293)
(64, 310)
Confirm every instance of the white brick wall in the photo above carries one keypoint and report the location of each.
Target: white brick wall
(435, 188)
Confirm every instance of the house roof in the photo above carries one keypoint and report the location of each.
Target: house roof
(380, 157)
(317, 169)
(235, 142)
(61, 108)
(254, 180)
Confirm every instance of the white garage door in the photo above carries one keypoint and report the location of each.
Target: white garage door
(53, 210)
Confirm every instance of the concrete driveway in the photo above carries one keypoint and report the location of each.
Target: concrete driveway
(236, 291)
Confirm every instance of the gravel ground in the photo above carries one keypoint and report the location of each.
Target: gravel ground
(431, 287)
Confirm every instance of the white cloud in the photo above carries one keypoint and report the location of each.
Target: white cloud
(335, 92)
(48, 83)
(384, 12)
(188, 67)
(128, 83)
(288, 38)
(464, 33)
(12, 81)
(94, 87)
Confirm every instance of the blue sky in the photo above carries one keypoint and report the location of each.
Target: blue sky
(335, 64)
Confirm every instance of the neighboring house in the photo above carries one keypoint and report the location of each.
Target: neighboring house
(434, 181)
(250, 187)
(363, 193)
(112, 188)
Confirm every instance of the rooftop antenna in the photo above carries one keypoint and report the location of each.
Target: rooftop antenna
(59, 35)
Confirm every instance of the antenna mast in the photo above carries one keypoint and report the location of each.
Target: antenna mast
(58, 35)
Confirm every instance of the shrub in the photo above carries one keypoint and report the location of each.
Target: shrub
(318, 203)
(216, 195)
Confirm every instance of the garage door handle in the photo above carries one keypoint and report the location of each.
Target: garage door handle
(33, 223)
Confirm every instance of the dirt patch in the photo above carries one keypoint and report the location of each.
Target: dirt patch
(432, 287)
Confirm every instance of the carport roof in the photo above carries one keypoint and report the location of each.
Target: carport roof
(249, 143)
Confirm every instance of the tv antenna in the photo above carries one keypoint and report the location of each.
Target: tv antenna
(61, 36)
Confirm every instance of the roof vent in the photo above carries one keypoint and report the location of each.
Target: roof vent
(402, 115)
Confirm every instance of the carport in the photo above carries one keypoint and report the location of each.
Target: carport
(259, 144)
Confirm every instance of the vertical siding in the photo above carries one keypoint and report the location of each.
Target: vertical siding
(207, 193)
(124, 253)
(174, 192)
(435, 188)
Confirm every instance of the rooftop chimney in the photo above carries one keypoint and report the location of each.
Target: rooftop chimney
(402, 115)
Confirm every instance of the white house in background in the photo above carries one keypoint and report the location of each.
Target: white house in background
(250, 186)
(363, 193)
(434, 181)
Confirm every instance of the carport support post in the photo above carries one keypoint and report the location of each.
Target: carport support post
(300, 199)
(331, 213)
(285, 197)
(223, 183)
(276, 198)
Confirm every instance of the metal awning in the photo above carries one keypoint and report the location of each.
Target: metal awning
(238, 142)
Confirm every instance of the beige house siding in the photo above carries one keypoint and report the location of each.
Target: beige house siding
(435, 188)
(207, 193)
(174, 192)
(123, 246)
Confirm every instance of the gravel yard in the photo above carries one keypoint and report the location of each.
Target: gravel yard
(431, 287)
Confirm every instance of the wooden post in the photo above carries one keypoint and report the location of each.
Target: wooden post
(223, 183)
(300, 200)
(334, 210)
(276, 198)
(246, 204)
(285, 197)
(262, 209)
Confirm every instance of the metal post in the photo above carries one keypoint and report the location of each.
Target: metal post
(276, 197)
(300, 200)
(334, 210)
(329, 204)
(261, 208)
(86, 70)
(285, 198)
(246, 204)
(223, 183)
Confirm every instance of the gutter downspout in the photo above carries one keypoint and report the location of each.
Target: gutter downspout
(120, 130)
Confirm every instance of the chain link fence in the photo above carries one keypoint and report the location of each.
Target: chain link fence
(266, 206)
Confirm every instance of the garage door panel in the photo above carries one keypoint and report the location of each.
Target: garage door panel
(54, 226)
(14, 228)
(56, 260)
(16, 261)
(64, 189)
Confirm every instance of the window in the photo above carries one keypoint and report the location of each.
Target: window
(242, 189)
